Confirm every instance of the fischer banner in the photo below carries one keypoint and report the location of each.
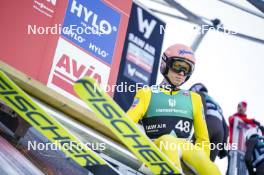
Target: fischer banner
(141, 54)
(58, 42)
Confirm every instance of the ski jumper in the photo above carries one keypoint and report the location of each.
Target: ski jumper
(170, 118)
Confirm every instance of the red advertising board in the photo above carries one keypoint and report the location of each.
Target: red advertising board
(34, 41)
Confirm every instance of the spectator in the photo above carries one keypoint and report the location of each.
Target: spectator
(241, 114)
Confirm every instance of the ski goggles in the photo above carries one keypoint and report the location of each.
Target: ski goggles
(179, 65)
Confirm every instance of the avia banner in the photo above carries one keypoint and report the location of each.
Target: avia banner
(59, 41)
(86, 46)
(141, 55)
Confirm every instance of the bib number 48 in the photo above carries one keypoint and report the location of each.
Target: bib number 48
(183, 126)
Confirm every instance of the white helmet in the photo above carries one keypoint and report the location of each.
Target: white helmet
(253, 131)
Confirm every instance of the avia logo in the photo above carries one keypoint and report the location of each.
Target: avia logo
(172, 102)
(92, 18)
(183, 52)
(131, 71)
(53, 2)
(144, 25)
(69, 70)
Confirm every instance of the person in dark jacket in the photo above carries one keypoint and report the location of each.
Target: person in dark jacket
(254, 156)
(216, 124)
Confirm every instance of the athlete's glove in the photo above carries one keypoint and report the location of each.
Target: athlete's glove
(261, 128)
(256, 122)
(222, 153)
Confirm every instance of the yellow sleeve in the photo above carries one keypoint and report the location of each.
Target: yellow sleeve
(200, 127)
(140, 104)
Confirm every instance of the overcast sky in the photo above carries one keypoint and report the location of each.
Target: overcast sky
(230, 67)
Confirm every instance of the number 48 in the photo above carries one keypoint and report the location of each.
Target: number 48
(183, 126)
